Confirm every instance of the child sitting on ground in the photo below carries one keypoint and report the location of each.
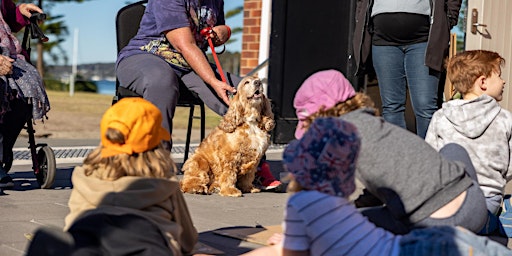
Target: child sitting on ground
(407, 183)
(320, 220)
(479, 124)
(132, 173)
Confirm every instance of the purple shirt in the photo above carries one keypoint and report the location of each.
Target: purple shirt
(165, 15)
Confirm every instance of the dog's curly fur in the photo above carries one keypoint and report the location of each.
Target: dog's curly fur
(226, 160)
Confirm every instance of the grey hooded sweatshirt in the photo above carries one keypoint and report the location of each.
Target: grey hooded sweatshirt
(484, 129)
(403, 171)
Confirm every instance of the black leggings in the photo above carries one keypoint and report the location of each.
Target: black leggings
(10, 128)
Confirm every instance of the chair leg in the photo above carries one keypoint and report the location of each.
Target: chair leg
(189, 132)
(203, 121)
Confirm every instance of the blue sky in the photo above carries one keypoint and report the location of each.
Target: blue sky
(95, 22)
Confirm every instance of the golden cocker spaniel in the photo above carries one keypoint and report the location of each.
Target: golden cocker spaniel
(226, 160)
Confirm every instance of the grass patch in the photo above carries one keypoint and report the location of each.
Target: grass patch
(93, 104)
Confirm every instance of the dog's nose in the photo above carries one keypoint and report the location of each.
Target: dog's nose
(257, 82)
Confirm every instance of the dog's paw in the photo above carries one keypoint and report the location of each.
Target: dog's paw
(195, 190)
(269, 125)
(230, 191)
(213, 189)
(255, 190)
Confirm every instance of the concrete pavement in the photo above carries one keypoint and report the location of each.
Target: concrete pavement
(27, 208)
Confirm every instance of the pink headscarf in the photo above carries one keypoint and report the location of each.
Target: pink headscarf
(324, 88)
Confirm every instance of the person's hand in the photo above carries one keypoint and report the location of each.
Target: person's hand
(222, 89)
(27, 9)
(5, 65)
(221, 34)
(276, 238)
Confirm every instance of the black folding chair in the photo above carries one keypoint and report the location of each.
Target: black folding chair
(127, 25)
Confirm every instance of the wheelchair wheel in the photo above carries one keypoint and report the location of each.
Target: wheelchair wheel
(47, 167)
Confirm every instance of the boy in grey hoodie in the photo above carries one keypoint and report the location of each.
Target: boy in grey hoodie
(478, 123)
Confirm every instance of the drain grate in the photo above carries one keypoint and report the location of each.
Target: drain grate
(80, 152)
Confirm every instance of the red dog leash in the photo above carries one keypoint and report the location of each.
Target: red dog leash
(208, 34)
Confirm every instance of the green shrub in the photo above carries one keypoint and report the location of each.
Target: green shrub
(54, 85)
(80, 86)
(85, 86)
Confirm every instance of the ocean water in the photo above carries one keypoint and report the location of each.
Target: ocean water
(106, 87)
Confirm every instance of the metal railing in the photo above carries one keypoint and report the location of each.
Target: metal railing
(258, 68)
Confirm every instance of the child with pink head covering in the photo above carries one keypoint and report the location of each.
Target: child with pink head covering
(322, 89)
(407, 183)
(320, 220)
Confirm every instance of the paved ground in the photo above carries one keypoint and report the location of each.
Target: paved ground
(26, 207)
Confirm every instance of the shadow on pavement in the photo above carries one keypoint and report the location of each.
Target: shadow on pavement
(26, 180)
(225, 244)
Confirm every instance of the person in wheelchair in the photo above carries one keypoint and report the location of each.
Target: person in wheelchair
(19, 82)
(169, 49)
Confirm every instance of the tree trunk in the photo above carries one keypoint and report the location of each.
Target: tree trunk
(39, 64)
(39, 47)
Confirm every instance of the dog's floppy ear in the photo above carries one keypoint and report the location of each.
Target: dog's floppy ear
(266, 111)
(267, 116)
(234, 117)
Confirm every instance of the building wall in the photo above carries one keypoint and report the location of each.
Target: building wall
(251, 36)
(494, 34)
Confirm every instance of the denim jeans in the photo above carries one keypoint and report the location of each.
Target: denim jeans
(447, 240)
(397, 68)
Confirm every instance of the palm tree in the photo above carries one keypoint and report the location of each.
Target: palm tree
(236, 30)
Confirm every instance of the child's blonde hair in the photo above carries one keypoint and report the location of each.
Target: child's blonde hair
(464, 68)
(360, 100)
(154, 163)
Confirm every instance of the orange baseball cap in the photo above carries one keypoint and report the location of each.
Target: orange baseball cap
(139, 121)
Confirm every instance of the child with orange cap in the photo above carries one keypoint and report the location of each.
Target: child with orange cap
(132, 173)
(320, 220)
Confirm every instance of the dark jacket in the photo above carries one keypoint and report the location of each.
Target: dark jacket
(445, 15)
